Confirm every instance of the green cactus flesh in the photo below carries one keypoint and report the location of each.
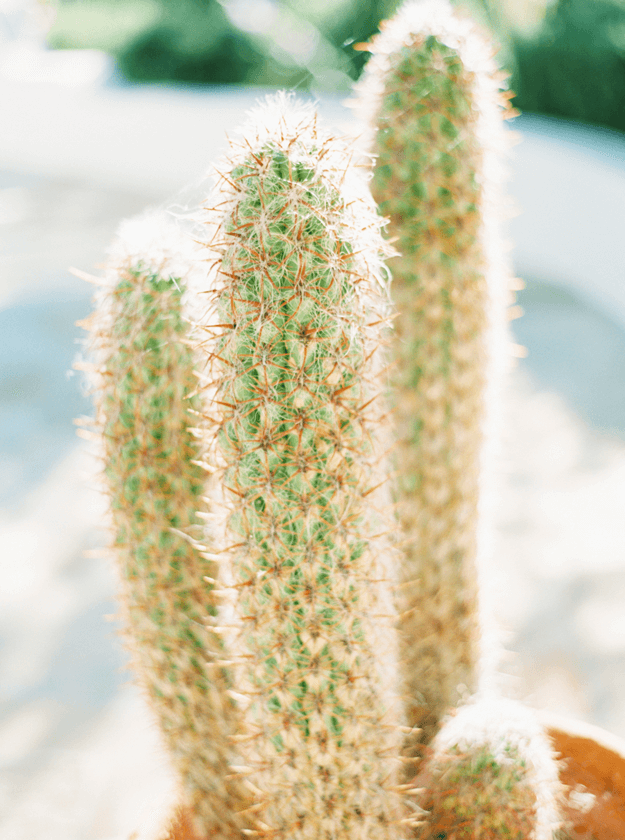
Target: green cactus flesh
(155, 489)
(296, 431)
(426, 182)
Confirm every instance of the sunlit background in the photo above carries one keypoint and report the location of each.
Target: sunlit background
(108, 106)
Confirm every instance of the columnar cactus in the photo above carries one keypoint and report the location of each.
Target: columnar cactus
(300, 299)
(432, 98)
(433, 102)
(147, 405)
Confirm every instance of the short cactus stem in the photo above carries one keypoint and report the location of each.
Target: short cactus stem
(490, 773)
(431, 95)
(300, 303)
(147, 406)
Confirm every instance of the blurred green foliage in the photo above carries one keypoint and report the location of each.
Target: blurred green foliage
(575, 65)
(567, 57)
(296, 43)
(158, 40)
(190, 41)
(103, 25)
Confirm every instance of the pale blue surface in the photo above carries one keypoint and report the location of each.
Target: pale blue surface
(39, 394)
(605, 145)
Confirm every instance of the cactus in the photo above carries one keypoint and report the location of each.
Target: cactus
(251, 512)
(145, 410)
(490, 773)
(432, 98)
(301, 300)
(433, 102)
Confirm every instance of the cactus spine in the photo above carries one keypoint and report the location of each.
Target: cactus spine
(145, 412)
(432, 93)
(301, 300)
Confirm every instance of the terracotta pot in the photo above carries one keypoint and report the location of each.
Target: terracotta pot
(593, 761)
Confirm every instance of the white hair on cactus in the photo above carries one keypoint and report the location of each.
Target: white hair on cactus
(293, 126)
(157, 241)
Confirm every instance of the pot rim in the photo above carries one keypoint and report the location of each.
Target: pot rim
(582, 729)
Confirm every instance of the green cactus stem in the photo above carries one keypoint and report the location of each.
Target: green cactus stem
(301, 302)
(147, 407)
(491, 773)
(432, 96)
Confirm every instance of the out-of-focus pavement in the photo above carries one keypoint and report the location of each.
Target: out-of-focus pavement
(79, 756)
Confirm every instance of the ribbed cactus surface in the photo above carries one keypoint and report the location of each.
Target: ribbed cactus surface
(300, 302)
(431, 95)
(145, 409)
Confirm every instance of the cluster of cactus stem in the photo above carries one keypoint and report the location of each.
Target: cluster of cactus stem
(293, 447)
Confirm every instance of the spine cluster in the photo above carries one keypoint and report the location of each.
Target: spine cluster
(431, 93)
(300, 304)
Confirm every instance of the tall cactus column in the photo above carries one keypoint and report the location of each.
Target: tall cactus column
(146, 409)
(300, 304)
(433, 99)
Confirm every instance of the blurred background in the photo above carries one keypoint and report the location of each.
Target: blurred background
(110, 106)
